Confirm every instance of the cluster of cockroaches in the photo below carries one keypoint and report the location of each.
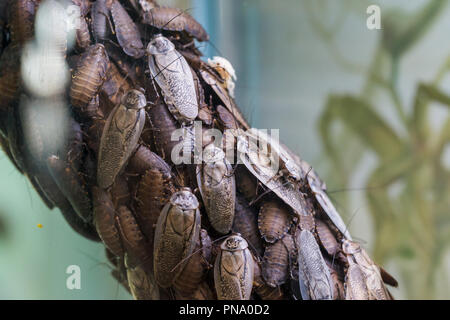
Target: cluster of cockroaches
(176, 231)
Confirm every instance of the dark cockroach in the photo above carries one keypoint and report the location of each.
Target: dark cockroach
(113, 88)
(245, 223)
(195, 270)
(154, 191)
(141, 282)
(21, 14)
(246, 183)
(274, 221)
(144, 159)
(105, 221)
(120, 192)
(174, 19)
(203, 292)
(276, 261)
(264, 291)
(163, 124)
(337, 280)
(127, 32)
(176, 232)
(218, 188)
(94, 134)
(174, 76)
(71, 186)
(9, 77)
(89, 76)
(82, 35)
(233, 270)
(327, 239)
(101, 25)
(226, 119)
(120, 137)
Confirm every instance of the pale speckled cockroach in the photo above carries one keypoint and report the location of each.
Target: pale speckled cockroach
(9, 77)
(245, 223)
(88, 76)
(127, 32)
(101, 27)
(327, 239)
(174, 19)
(82, 35)
(314, 274)
(274, 220)
(105, 221)
(162, 125)
(371, 272)
(217, 185)
(21, 14)
(71, 186)
(195, 269)
(176, 232)
(141, 282)
(264, 291)
(355, 283)
(276, 261)
(203, 292)
(120, 137)
(173, 75)
(233, 270)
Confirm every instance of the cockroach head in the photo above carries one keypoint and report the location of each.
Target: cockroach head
(184, 199)
(160, 45)
(134, 99)
(234, 243)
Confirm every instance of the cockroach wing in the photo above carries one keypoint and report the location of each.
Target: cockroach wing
(355, 284)
(314, 275)
(119, 139)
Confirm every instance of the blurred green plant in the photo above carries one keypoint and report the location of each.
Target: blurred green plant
(408, 192)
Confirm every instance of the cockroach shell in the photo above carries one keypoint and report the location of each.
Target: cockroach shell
(233, 270)
(173, 75)
(127, 32)
(174, 19)
(327, 239)
(218, 188)
(71, 186)
(119, 138)
(89, 75)
(141, 282)
(176, 232)
(245, 223)
(314, 275)
(105, 221)
(82, 35)
(246, 183)
(274, 221)
(144, 159)
(275, 264)
(21, 14)
(202, 292)
(355, 284)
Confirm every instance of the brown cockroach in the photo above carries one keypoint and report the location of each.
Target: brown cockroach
(264, 291)
(245, 223)
(153, 192)
(144, 159)
(176, 232)
(9, 77)
(101, 24)
(217, 185)
(92, 110)
(276, 261)
(274, 221)
(327, 239)
(94, 134)
(174, 19)
(82, 35)
(127, 32)
(120, 136)
(371, 272)
(120, 192)
(246, 183)
(105, 221)
(113, 88)
(89, 75)
(202, 292)
(195, 270)
(71, 186)
(233, 270)
(21, 14)
(142, 283)
(225, 117)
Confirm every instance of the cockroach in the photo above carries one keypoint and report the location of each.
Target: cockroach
(233, 270)
(202, 292)
(141, 282)
(94, 134)
(82, 35)
(226, 71)
(120, 192)
(371, 272)
(105, 221)
(162, 125)
(9, 77)
(276, 261)
(314, 274)
(264, 291)
(88, 76)
(92, 110)
(217, 185)
(245, 223)
(71, 186)
(120, 136)
(327, 239)
(113, 88)
(101, 25)
(274, 221)
(225, 117)
(173, 75)
(144, 159)
(127, 32)
(21, 14)
(174, 19)
(195, 270)
(355, 283)
(176, 232)
(246, 183)
(153, 192)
